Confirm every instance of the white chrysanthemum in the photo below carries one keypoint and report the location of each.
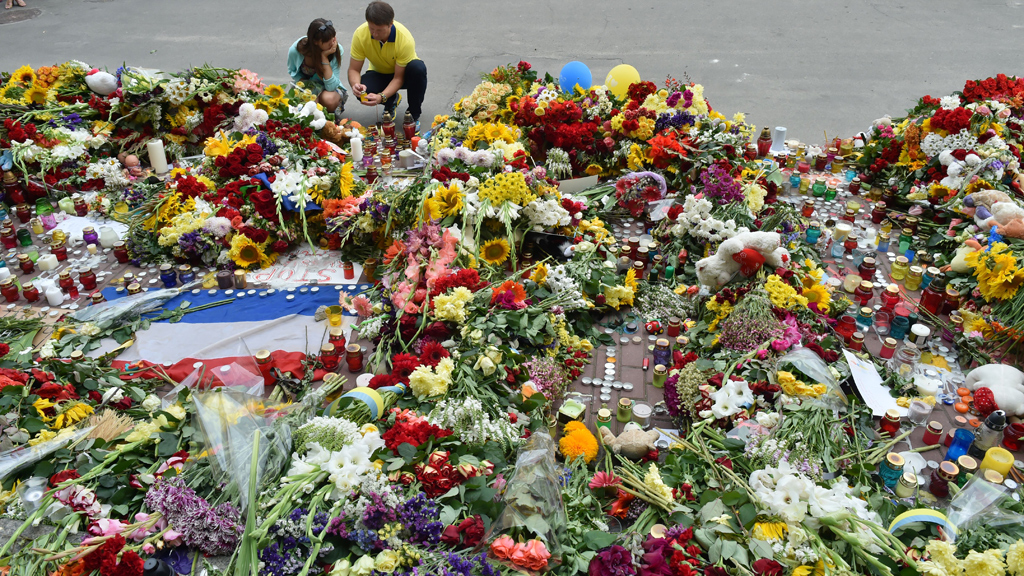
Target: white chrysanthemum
(949, 102)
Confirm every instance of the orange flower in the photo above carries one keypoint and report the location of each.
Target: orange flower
(503, 547)
(396, 248)
(70, 569)
(518, 292)
(536, 555)
(621, 506)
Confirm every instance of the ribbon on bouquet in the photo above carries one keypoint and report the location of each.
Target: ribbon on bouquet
(373, 399)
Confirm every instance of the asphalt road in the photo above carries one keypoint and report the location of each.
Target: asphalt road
(814, 66)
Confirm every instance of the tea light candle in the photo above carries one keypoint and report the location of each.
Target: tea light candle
(157, 158)
(47, 262)
(998, 459)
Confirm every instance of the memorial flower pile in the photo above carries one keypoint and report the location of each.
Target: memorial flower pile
(489, 291)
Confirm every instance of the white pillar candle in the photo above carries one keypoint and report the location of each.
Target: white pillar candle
(157, 158)
(405, 159)
(47, 262)
(54, 297)
(5, 273)
(357, 150)
(108, 237)
(91, 248)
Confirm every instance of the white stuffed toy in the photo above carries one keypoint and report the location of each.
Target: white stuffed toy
(997, 387)
(745, 252)
(100, 82)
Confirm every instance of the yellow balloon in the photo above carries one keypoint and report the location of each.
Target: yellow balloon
(619, 79)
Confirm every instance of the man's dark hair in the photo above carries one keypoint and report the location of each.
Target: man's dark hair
(380, 13)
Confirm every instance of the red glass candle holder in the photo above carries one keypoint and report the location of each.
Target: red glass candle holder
(88, 279)
(349, 270)
(1013, 436)
(354, 357)
(120, 252)
(9, 290)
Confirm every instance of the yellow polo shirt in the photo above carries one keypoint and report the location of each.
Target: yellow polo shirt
(400, 49)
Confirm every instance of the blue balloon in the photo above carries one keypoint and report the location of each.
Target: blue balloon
(574, 73)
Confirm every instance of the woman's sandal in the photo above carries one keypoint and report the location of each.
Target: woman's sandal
(20, 3)
(10, 4)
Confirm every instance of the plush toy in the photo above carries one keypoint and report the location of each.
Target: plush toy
(745, 252)
(633, 442)
(959, 262)
(997, 387)
(100, 82)
(994, 208)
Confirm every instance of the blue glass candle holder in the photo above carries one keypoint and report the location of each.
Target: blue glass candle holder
(962, 440)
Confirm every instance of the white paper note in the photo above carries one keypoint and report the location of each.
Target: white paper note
(870, 386)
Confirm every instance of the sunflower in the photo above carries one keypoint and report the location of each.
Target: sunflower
(25, 75)
(345, 180)
(35, 95)
(245, 253)
(495, 251)
(1001, 286)
(769, 531)
(818, 294)
(431, 212)
(540, 275)
(274, 91)
(72, 414)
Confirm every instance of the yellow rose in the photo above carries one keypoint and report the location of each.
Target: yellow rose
(386, 561)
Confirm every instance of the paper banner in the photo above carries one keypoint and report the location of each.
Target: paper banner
(304, 265)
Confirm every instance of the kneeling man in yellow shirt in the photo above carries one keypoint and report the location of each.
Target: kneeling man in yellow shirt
(394, 66)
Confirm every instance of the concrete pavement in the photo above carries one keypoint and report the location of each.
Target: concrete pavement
(812, 66)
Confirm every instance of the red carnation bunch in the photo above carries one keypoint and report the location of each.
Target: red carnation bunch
(239, 161)
(445, 174)
(1002, 88)
(294, 133)
(412, 432)
(951, 121)
(639, 91)
(466, 277)
(189, 186)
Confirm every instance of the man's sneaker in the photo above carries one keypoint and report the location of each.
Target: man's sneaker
(392, 104)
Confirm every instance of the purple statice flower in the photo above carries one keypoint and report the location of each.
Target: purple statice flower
(377, 514)
(420, 516)
(213, 531)
(996, 165)
(721, 186)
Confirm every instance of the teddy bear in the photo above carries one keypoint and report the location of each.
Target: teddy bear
(633, 442)
(745, 252)
(994, 208)
(997, 387)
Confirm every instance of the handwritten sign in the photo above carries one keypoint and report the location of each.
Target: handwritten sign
(305, 265)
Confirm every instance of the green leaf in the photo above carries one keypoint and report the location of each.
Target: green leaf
(44, 469)
(748, 512)
(407, 452)
(715, 551)
(32, 424)
(448, 515)
(733, 498)
(597, 540)
(108, 481)
(712, 510)
(761, 549)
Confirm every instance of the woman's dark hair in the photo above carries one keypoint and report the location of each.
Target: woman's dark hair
(380, 13)
(320, 30)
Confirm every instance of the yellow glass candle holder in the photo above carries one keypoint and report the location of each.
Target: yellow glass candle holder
(334, 315)
(998, 459)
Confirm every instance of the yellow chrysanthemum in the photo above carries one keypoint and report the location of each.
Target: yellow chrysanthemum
(24, 75)
(246, 253)
(495, 251)
(449, 200)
